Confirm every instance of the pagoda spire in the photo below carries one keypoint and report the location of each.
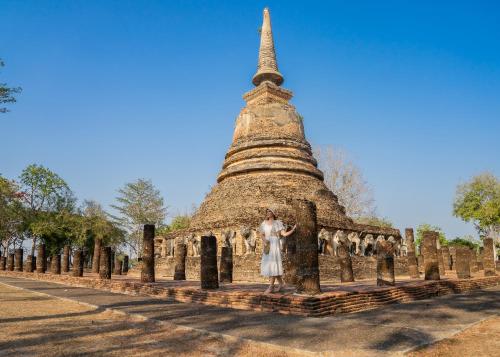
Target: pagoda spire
(267, 68)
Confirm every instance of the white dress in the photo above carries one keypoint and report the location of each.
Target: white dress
(271, 264)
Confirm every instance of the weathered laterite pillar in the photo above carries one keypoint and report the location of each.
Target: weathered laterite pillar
(226, 265)
(445, 251)
(118, 266)
(97, 254)
(385, 264)
(346, 272)
(473, 261)
(290, 260)
(307, 247)
(441, 262)
(489, 257)
(411, 257)
(462, 266)
(78, 260)
(65, 259)
(29, 265)
(18, 259)
(208, 263)
(112, 261)
(453, 257)
(429, 250)
(3, 263)
(148, 254)
(10, 262)
(180, 261)
(41, 259)
(125, 265)
(55, 264)
(105, 263)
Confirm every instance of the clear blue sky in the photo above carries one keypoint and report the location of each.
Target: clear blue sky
(117, 90)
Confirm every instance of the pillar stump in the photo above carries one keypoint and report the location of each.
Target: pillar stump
(148, 254)
(445, 251)
(208, 263)
(290, 260)
(180, 261)
(474, 268)
(125, 265)
(440, 261)
(462, 259)
(30, 265)
(65, 259)
(385, 264)
(97, 255)
(429, 250)
(41, 259)
(10, 262)
(118, 266)
(18, 259)
(411, 256)
(55, 264)
(112, 261)
(3, 263)
(346, 272)
(78, 263)
(226, 265)
(307, 247)
(489, 257)
(105, 263)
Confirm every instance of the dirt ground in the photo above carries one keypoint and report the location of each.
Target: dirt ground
(480, 340)
(32, 324)
(37, 325)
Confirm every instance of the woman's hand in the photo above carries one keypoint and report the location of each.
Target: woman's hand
(286, 234)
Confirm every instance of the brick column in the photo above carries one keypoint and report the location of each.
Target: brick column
(148, 254)
(411, 258)
(65, 259)
(125, 265)
(445, 251)
(290, 260)
(55, 267)
(307, 247)
(180, 261)
(462, 266)
(30, 264)
(429, 250)
(226, 265)
(3, 263)
(346, 272)
(10, 262)
(105, 263)
(118, 266)
(78, 263)
(473, 261)
(441, 262)
(18, 259)
(41, 259)
(385, 264)
(96, 256)
(453, 257)
(209, 274)
(489, 257)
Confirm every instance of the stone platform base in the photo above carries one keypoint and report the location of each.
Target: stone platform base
(344, 298)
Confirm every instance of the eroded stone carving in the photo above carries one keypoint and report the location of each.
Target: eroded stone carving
(250, 240)
(355, 243)
(195, 244)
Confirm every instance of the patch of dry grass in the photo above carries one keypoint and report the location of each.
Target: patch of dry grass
(38, 325)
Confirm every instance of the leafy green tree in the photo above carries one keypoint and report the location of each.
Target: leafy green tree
(43, 192)
(11, 215)
(139, 203)
(478, 201)
(374, 221)
(467, 241)
(427, 227)
(178, 222)
(7, 93)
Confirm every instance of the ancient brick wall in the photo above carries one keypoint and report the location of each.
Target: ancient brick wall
(247, 267)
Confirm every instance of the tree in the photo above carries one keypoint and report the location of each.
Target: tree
(478, 201)
(139, 203)
(7, 93)
(427, 227)
(178, 222)
(11, 215)
(467, 241)
(43, 192)
(345, 180)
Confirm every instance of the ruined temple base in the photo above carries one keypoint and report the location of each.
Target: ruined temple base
(334, 299)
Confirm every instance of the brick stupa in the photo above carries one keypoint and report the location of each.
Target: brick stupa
(269, 160)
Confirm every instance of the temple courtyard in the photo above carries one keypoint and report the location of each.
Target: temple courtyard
(40, 317)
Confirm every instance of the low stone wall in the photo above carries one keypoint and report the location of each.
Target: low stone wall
(325, 304)
(247, 268)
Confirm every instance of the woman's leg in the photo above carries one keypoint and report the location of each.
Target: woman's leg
(280, 282)
(271, 285)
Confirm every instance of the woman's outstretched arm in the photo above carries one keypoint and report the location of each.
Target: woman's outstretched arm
(286, 234)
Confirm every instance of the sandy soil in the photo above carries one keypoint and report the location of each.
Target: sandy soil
(36, 325)
(480, 340)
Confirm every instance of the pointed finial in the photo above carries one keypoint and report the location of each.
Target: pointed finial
(267, 69)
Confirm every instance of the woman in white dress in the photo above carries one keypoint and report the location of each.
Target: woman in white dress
(271, 265)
